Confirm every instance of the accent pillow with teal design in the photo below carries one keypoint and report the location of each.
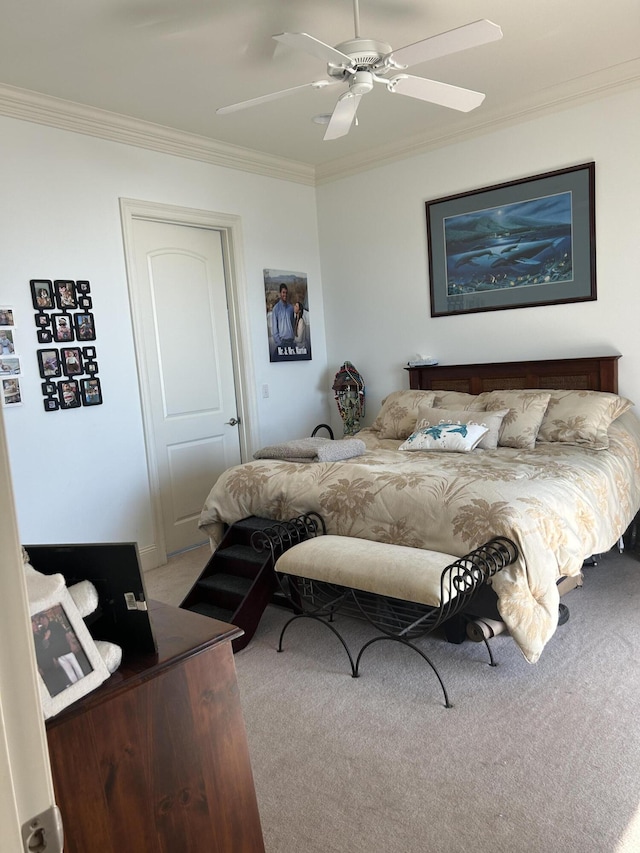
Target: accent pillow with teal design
(492, 420)
(448, 437)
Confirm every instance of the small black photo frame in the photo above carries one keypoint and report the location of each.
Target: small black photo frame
(85, 303)
(49, 363)
(83, 287)
(50, 404)
(71, 361)
(42, 293)
(44, 336)
(62, 328)
(69, 394)
(41, 320)
(65, 294)
(85, 327)
(91, 392)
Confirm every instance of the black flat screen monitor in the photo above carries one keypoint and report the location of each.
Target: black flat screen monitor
(114, 569)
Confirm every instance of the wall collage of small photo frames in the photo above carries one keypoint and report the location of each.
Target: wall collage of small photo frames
(10, 392)
(69, 365)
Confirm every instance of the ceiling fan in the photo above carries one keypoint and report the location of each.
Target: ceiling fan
(361, 63)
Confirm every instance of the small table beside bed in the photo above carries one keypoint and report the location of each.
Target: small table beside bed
(556, 469)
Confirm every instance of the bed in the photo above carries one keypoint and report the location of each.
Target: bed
(562, 491)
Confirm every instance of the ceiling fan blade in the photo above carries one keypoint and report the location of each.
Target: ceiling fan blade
(469, 35)
(263, 99)
(309, 44)
(435, 92)
(342, 116)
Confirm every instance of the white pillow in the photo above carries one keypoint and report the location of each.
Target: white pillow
(459, 438)
(492, 420)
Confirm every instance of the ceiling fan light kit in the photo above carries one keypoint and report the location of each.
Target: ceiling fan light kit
(360, 63)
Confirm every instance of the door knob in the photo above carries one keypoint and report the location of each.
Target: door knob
(233, 422)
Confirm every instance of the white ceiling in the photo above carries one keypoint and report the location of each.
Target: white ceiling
(173, 62)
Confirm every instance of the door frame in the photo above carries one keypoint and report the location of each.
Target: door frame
(26, 787)
(230, 228)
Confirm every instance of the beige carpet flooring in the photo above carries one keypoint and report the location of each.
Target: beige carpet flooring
(540, 759)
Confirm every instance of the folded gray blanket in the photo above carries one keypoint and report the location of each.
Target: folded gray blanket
(313, 450)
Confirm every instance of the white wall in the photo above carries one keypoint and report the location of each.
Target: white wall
(81, 475)
(374, 252)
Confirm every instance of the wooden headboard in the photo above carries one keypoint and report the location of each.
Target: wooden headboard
(584, 374)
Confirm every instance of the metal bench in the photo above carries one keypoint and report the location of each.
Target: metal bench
(405, 593)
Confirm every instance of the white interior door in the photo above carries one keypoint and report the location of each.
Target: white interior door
(185, 347)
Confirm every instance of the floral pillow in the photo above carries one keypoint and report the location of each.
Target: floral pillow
(458, 400)
(581, 417)
(491, 420)
(526, 410)
(399, 413)
(459, 438)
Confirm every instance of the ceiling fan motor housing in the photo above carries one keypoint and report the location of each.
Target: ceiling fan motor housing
(364, 54)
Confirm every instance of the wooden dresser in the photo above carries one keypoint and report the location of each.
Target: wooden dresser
(156, 759)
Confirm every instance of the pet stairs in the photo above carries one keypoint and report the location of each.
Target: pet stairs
(237, 583)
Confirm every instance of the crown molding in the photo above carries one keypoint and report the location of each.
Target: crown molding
(67, 115)
(78, 118)
(555, 99)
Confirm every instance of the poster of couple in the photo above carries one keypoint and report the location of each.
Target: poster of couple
(288, 321)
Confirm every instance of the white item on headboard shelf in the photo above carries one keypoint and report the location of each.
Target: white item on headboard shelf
(418, 360)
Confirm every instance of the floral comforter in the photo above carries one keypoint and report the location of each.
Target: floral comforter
(559, 503)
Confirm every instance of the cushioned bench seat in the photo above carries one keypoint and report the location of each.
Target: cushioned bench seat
(394, 571)
(405, 593)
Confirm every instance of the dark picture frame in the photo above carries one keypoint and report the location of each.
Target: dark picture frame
(69, 394)
(523, 243)
(91, 392)
(42, 293)
(85, 326)
(62, 328)
(71, 361)
(65, 291)
(49, 363)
